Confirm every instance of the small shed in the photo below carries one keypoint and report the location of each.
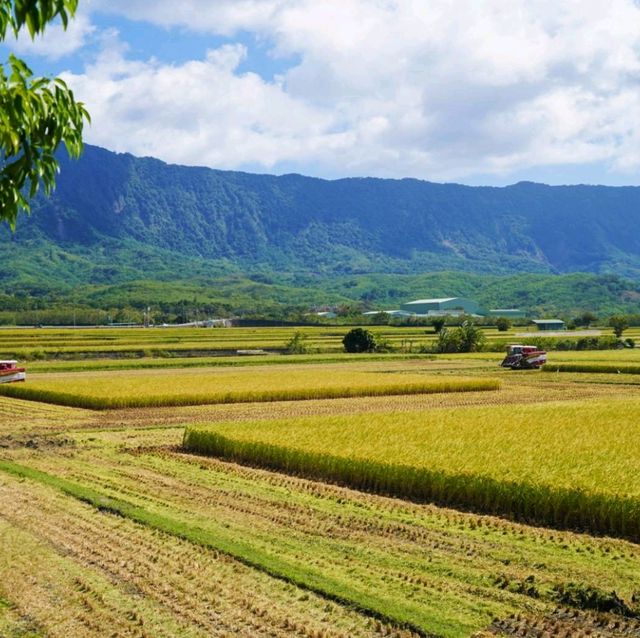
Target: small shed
(550, 324)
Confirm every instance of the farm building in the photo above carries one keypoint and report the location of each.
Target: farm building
(391, 313)
(443, 306)
(550, 324)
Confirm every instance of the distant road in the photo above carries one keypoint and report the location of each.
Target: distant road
(560, 333)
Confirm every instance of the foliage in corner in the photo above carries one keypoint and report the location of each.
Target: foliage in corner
(36, 114)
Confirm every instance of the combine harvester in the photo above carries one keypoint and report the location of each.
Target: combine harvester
(524, 358)
(10, 373)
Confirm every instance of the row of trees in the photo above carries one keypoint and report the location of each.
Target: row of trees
(465, 338)
(471, 338)
(619, 323)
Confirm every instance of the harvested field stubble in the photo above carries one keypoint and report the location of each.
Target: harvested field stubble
(449, 572)
(161, 579)
(18, 416)
(593, 368)
(502, 460)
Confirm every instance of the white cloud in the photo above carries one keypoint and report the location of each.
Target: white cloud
(201, 112)
(429, 88)
(56, 42)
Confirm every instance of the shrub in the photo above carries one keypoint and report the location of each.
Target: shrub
(471, 337)
(297, 344)
(503, 324)
(448, 340)
(384, 345)
(619, 323)
(359, 340)
(466, 338)
(587, 343)
(583, 343)
(438, 324)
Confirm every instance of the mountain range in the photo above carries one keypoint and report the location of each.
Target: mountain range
(115, 218)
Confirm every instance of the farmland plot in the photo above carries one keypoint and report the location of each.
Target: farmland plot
(76, 572)
(192, 387)
(548, 463)
(106, 523)
(443, 572)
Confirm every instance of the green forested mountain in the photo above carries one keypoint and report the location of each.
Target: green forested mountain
(115, 219)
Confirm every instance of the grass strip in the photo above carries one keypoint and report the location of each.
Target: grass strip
(431, 386)
(531, 503)
(403, 614)
(593, 368)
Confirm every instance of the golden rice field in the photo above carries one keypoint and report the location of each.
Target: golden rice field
(135, 342)
(79, 343)
(339, 502)
(102, 390)
(549, 463)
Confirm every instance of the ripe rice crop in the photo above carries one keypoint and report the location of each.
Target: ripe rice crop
(76, 365)
(162, 342)
(101, 391)
(594, 368)
(561, 464)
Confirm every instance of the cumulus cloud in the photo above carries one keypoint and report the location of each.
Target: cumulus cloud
(200, 112)
(56, 42)
(427, 88)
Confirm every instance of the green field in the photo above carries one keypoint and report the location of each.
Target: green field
(283, 523)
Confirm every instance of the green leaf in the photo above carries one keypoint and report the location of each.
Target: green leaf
(37, 115)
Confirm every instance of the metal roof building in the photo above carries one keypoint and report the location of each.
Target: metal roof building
(393, 313)
(443, 306)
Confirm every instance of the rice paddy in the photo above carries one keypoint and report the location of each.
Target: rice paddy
(106, 521)
(594, 368)
(163, 342)
(508, 460)
(101, 391)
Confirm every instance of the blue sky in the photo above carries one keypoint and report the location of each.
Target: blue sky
(489, 92)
